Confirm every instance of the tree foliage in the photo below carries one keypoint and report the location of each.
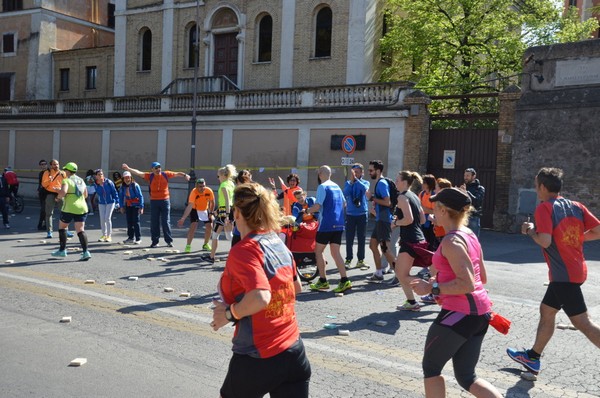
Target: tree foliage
(464, 46)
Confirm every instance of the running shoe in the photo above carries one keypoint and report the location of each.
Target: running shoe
(348, 264)
(375, 278)
(362, 265)
(389, 270)
(343, 286)
(393, 282)
(102, 238)
(170, 244)
(206, 247)
(531, 364)
(128, 241)
(409, 307)
(424, 274)
(70, 234)
(154, 245)
(86, 255)
(49, 235)
(319, 286)
(188, 248)
(108, 239)
(138, 242)
(429, 299)
(59, 253)
(207, 258)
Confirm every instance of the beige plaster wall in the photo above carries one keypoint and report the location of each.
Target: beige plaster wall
(122, 143)
(4, 148)
(268, 149)
(81, 147)
(208, 152)
(28, 154)
(320, 153)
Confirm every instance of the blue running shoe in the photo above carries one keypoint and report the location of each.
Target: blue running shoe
(59, 253)
(49, 235)
(70, 234)
(531, 364)
(86, 255)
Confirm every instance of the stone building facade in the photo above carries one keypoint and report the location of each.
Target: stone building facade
(32, 29)
(556, 124)
(309, 43)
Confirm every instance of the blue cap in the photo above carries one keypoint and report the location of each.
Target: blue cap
(155, 164)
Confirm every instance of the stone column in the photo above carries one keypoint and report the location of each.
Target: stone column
(416, 136)
(503, 220)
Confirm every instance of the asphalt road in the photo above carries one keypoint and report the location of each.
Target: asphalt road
(140, 341)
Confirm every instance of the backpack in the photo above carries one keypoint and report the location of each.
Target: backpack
(80, 185)
(394, 193)
(152, 178)
(11, 178)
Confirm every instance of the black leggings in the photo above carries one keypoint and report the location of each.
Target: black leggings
(286, 375)
(458, 337)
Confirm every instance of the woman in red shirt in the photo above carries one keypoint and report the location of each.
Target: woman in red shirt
(258, 291)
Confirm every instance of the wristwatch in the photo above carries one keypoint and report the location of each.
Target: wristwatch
(435, 289)
(229, 316)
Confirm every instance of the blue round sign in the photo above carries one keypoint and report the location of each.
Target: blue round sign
(349, 144)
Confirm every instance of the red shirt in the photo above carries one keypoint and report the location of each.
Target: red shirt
(566, 221)
(262, 261)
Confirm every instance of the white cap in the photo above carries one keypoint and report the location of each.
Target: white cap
(126, 174)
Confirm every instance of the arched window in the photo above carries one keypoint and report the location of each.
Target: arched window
(146, 50)
(265, 38)
(323, 33)
(193, 60)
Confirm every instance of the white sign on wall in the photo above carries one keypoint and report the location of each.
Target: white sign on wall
(577, 72)
(347, 161)
(449, 159)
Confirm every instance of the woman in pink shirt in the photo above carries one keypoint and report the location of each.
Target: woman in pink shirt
(458, 331)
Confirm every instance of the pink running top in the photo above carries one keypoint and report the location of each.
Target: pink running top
(476, 302)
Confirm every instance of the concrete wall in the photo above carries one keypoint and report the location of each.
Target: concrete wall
(268, 144)
(556, 123)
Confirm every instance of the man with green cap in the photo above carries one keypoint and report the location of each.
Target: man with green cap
(73, 193)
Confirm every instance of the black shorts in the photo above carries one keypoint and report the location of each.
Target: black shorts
(334, 237)
(566, 296)
(286, 375)
(68, 217)
(419, 251)
(382, 232)
(194, 216)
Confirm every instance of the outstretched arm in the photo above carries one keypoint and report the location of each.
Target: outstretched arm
(132, 170)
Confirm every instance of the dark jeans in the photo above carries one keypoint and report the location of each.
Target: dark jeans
(132, 215)
(4, 209)
(356, 226)
(42, 197)
(160, 214)
(474, 225)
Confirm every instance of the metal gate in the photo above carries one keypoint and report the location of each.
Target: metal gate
(475, 148)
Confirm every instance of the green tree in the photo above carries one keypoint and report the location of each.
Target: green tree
(462, 46)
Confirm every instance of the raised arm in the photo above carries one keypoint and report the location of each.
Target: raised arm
(138, 173)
